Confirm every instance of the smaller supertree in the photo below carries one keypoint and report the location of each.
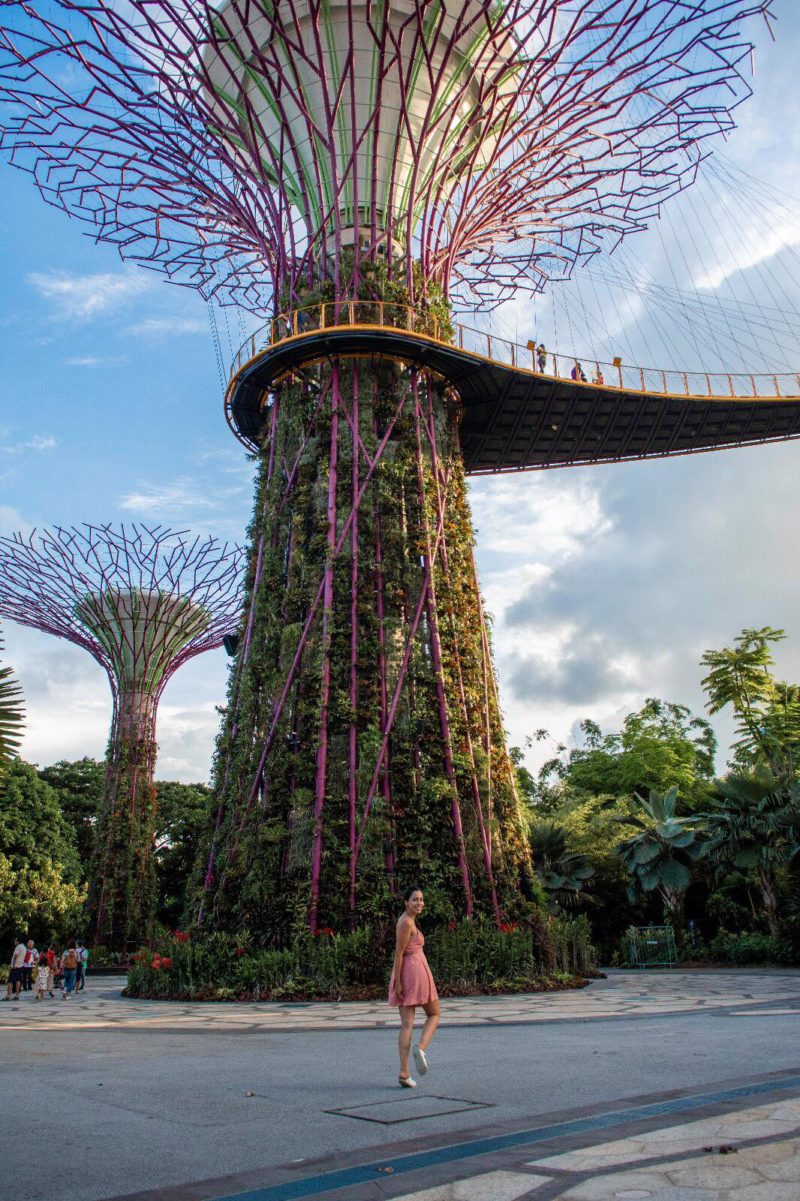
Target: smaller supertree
(142, 601)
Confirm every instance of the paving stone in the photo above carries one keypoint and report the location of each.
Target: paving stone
(713, 1172)
(773, 1190)
(490, 1186)
(603, 1188)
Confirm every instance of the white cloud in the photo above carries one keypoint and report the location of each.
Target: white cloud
(80, 297)
(90, 360)
(162, 327)
(170, 500)
(775, 232)
(38, 442)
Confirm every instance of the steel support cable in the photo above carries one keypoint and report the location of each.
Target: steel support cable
(681, 307)
(699, 221)
(746, 282)
(752, 197)
(690, 277)
(754, 313)
(766, 275)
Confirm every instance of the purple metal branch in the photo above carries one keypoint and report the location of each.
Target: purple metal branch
(436, 655)
(325, 688)
(353, 731)
(476, 792)
(568, 126)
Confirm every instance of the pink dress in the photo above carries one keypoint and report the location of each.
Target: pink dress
(418, 985)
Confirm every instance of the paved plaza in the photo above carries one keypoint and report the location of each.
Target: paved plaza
(670, 1086)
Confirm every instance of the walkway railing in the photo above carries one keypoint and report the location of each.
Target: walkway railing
(616, 374)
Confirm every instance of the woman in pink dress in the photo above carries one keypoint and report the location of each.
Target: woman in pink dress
(411, 985)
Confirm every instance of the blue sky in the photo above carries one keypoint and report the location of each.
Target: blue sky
(606, 584)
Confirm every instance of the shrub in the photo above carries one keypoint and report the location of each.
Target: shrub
(468, 956)
(752, 949)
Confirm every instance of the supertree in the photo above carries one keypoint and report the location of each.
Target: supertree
(301, 158)
(142, 601)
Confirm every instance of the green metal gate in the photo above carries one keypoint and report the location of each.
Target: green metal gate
(652, 946)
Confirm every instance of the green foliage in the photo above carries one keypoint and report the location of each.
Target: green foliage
(660, 858)
(180, 821)
(751, 949)
(659, 746)
(11, 717)
(754, 825)
(766, 711)
(79, 785)
(39, 867)
(465, 957)
(563, 873)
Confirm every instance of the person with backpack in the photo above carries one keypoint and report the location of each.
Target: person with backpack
(84, 958)
(69, 969)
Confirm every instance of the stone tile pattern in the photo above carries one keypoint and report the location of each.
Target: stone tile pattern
(623, 994)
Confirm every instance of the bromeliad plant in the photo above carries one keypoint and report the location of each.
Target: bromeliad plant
(661, 856)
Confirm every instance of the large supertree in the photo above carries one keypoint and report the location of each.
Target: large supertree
(285, 154)
(142, 601)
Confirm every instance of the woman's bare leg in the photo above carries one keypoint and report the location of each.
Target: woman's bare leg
(431, 1022)
(404, 1037)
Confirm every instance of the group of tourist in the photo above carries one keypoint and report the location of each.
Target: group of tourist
(32, 970)
(577, 373)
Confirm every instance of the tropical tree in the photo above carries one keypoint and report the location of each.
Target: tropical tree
(754, 825)
(660, 745)
(181, 822)
(563, 873)
(766, 710)
(40, 887)
(79, 786)
(11, 717)
(661, 856)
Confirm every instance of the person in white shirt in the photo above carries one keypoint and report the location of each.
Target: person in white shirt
(17, 970)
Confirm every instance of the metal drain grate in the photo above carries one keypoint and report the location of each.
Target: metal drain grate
(409, 1109)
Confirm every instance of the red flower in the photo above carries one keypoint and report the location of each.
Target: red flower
(326, 930)
(180, 935)
(166, 962)
(507, 927)
(451, 925)
(241, 950)
(156, 964)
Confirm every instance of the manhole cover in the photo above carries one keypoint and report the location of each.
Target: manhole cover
(409, 1109)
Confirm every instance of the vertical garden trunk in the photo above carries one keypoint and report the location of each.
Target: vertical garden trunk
(363, 748)
(123, 885)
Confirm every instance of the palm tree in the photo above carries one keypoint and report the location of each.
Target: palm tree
(660, 858)
(562, 873)
(11, 717)
(755, 825)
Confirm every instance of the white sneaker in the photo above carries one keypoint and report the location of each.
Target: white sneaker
(420, 1059)
(406, 1082)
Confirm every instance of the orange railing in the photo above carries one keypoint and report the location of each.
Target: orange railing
(386, 315)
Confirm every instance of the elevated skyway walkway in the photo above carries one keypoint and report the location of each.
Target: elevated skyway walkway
(516, 417)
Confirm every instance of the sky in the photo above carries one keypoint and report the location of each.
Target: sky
(606, 584)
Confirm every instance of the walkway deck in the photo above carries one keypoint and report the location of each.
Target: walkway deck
(516, 418)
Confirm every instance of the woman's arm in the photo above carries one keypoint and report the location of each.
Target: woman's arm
(405, 928)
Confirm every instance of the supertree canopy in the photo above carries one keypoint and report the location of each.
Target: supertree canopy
(287, 154)
(142, 601)
(242, 147)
